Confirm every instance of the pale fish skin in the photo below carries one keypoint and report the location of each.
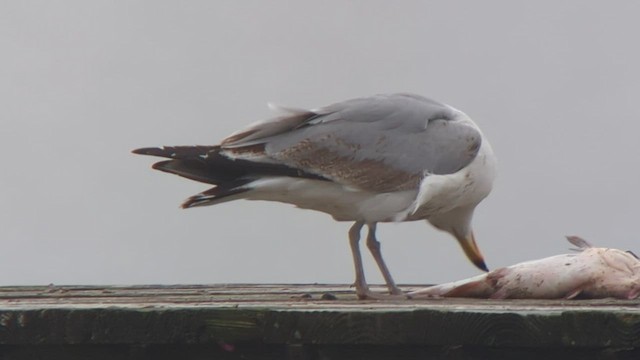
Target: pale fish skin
(592, 273)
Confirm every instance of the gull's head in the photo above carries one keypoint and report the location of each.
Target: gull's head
(458, 224)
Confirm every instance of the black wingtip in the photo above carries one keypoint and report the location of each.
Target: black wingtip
(217, 194)
(195, 201)
(147, 151)
(179, 152)
(162, 165)
(199, 200)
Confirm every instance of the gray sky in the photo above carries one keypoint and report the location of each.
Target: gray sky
(554, 86)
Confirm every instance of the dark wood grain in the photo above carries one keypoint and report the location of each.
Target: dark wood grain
(276, 321)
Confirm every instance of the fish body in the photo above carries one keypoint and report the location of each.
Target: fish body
(591, 273)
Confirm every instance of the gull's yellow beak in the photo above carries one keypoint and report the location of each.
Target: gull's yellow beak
(472, 251)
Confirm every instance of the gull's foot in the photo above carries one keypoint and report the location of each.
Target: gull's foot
(394, 290)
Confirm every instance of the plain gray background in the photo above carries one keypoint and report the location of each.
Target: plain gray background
(554, 86)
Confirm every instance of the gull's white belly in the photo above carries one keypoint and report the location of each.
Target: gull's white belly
(342, 203)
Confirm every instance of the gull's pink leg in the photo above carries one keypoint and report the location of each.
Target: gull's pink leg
(362, 289)
(374, 247)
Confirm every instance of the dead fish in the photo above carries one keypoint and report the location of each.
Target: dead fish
(592, 273)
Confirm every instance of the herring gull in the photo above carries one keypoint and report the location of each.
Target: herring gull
(384, 158)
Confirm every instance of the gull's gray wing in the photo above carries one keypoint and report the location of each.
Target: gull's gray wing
(382, 143)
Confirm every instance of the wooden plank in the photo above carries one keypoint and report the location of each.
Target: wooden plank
(277, 319)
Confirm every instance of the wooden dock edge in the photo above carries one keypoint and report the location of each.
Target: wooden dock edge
(72, 326)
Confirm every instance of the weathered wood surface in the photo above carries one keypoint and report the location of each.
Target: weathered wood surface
(294, 321)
